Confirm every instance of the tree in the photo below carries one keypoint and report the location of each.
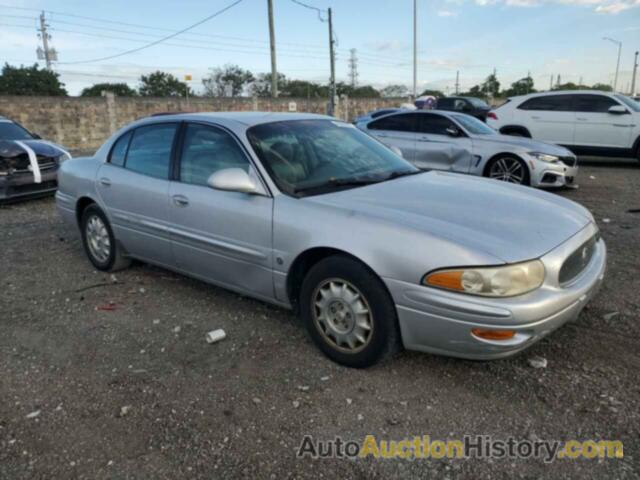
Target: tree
(602, 86)
(395, 91)
(261, 86)
(30, 81)
(491, 85)
(229, 81)
(162, 84)
(475, 91)
(520, 87)
(305, 89)
(120, 89)
(432, 93)
(364, 91)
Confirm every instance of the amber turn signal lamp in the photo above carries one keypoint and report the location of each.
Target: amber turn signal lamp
(451, 280)
(493, 334)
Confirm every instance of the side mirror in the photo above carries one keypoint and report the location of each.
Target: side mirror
(453, 132)
(233, 180)
(396, 150)
(618, 110)
(36, 136)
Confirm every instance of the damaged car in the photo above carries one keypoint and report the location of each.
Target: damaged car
(28, 164)
(310, 213)
(456, 142)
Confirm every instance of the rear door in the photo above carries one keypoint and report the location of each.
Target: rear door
(596, 127)
(134, 187)
(549, 118)
(220, 236)
(438, 149)
(397, 130)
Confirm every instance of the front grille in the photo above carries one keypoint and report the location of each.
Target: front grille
(569, 161)
(21, 163)
(578, 260)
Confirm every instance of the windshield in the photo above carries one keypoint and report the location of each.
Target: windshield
(11, 131)
(473, 125)
(478, 103)
(633, 105)
(316, 156)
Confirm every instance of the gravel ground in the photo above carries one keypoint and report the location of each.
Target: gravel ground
(107, 376)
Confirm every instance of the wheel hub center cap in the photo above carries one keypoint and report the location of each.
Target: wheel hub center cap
(340, 316)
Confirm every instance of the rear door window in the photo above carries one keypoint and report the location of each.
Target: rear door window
(150, 150)
(404, 122)
(549, 103)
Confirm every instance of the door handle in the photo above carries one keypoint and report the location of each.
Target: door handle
(423, 138)
(535, 117)
(180, 200)
(105, 181)
(582, 119)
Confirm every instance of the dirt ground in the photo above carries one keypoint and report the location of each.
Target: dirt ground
(107, 376)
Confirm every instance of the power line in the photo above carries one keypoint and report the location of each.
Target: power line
(168, 37)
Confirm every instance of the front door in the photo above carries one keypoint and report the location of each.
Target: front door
(596, 127)
(222, 237)
(134, 187)
(549, 118)
(397, 130)
(438, 149)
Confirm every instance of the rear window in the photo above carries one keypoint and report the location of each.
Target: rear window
(549, 103)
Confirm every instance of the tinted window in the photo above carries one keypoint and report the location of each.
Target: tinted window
(406, 122)
(205, 151)
(593, 103)
(435, 124)
(379, 113)
(119, 150)
(445, 103)
(150, 150)
(557, 103)
(11, 131)
(629, 102)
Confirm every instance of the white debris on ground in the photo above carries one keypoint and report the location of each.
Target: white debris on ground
(215, 336)
(538, 362)
(33, 414)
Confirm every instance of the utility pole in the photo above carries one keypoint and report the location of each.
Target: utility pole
(528, 78)
(353, 68)
(551, 82)
(45, 53)
(457, 82)
(272, 39)
(633, 77)
(415, 49)
(619, 44)
(332, 82)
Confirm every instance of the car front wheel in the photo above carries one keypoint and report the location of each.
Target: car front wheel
(99, 242)
(348, 312)
(508, 168)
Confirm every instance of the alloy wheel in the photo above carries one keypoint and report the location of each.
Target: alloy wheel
(508, 169)
(98, 239)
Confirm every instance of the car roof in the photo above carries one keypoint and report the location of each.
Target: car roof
(562, 92)
(245, 118)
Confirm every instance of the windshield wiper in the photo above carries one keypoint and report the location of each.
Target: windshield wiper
(402, 173)
(339, 182)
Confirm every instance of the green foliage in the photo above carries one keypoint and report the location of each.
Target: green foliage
(162, 84)
(30, 81)
(120, 89)
(491, 85)
(523, 86)
(395, 91)
(230, 80)
(261, 87)
(433, 93)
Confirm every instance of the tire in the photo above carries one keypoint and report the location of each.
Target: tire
(335, 318)
(508, 168)
(99, 243)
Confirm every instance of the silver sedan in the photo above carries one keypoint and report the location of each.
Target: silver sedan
(309, 213)
(460, 143)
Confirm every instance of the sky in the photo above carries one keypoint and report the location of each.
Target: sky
(544, 37)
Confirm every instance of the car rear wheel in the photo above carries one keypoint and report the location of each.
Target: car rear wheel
(508, 168)
(348, 312)
(99, 242)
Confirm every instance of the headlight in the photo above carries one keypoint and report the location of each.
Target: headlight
(545, 157)
(4, 167)
(503, 281)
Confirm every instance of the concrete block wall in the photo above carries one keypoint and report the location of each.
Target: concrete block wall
(82, 123)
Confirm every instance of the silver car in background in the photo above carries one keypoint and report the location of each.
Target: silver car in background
(309, 213)
(457, 142)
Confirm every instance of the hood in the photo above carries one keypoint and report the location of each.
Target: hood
(524, 143)
(11, 148)
(510, 222)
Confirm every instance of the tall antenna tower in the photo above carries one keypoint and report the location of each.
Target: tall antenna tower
(353, 68)
(46, 53)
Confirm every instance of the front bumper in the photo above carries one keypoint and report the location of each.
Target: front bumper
(545, 174)
(19, 186)
(438, 321)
